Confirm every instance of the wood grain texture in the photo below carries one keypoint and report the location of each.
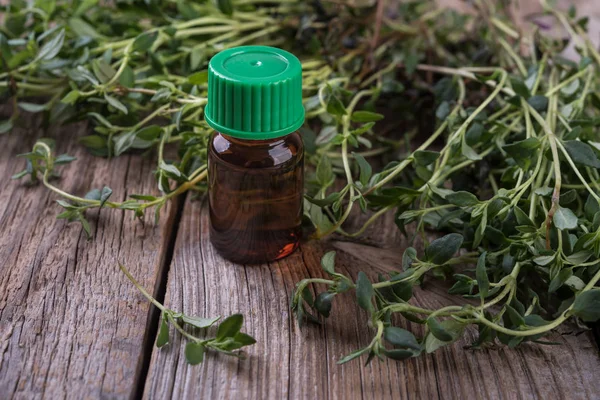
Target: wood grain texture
(288, 362)
(71, 324)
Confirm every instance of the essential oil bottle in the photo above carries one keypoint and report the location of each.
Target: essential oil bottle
(255, 156)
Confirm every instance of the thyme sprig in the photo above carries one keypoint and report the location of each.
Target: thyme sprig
(228, 338)
(512, 324)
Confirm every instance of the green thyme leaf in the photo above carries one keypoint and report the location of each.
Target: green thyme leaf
(591, 207)
(243, 339)
(364, 292)
(123, 142)
(335, 106)
(560, 279)
(198, 78)
(32, 108)
(230, 326)
(426, 157)
(483, 282)
(474, 133)
(323, 303)
(398, 354)
(51, 49)
(564, 219)
(324, 172)
(365, 116)
(144, 41)
(5, 126)
(409, 255)
(462, 199)
(225, 6)
(82, 28)
(521, 151)
(449, 329)
(64, 159)
(328, 262)
(519, 87)
(582, 153)
(443, 110)
(330, 199)
(401, 338)
(194, 353)
(363, 128)
(441, 250)
(103, 71)
(438, 330)
(587, 305)
(149, 133)
(169, 168)
(200, 322)
(71, 97)
(515, 317)
(163, 332)
(365, 168)
(539, 103)
(116, 103)
(353, 355)
(127, 78)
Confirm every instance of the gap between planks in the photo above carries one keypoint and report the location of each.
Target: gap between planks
(69, 325)
(160, 289)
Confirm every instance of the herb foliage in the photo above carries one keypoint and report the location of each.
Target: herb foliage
(505, 167)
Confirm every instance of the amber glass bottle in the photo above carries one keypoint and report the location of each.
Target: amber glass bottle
(255, 156)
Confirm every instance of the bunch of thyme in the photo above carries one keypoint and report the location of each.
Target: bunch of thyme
(507, 169)
(515, 182)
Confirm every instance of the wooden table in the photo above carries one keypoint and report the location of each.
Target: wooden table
(72, 326)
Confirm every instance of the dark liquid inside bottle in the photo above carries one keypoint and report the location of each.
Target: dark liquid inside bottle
(255, 197)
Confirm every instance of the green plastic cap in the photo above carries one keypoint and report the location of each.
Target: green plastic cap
(254, 92)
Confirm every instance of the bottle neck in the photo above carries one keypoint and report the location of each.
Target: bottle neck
(255, 143)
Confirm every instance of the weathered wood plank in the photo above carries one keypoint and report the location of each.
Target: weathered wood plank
(71, 324)
(288, 362)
